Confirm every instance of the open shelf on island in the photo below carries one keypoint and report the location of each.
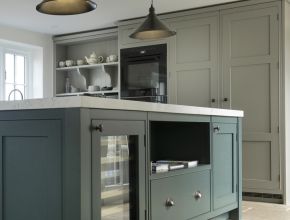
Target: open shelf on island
(174, 143)
(88, 66)
(200, 167)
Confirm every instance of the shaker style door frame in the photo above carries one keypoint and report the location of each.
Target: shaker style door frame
(117, 128)
(189, 61)
(46, 137)
(257, 61)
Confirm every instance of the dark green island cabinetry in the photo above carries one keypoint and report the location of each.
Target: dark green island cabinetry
(83, 158)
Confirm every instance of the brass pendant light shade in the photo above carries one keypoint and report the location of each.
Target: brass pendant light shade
(66, 7)
(152, 28)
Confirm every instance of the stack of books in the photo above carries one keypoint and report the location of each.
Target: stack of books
(161, 166)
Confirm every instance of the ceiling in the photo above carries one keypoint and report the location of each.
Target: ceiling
(22, 14)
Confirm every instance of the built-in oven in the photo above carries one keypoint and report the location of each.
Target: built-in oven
(144, 73)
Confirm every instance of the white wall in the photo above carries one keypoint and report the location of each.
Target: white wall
(43, 41)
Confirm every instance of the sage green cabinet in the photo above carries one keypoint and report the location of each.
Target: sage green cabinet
(194, 60)
(225, 158)
(250, 75)
(30, 170)
(230, 59)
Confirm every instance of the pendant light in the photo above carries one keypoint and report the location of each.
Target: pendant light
(152, 28)
(66, 7)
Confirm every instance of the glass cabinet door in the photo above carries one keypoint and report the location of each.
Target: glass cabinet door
(118, 172)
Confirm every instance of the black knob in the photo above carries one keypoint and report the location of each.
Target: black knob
(213, 100)
(217, 129)
(99, 128)
(226, 99)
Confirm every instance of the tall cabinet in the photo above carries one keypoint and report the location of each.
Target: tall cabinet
(229, 58)
(250, 81)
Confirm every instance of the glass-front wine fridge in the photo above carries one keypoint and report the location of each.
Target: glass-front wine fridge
(118, 170)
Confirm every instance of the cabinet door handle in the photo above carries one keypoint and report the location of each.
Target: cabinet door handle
(169, 203)
(217, 129)
(99, 128)
(198, 195)
(213, 100)
(226, 99)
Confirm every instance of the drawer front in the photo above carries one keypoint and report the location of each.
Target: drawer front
(184, 192)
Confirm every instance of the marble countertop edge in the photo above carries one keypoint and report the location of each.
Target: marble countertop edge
(113, 104)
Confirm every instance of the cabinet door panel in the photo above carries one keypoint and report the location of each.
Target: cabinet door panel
(194, 59)
(181, 189)
(199, 38)
(250, 70)
(224, 165)
(118, 157)
(31, 170)
(191, 84)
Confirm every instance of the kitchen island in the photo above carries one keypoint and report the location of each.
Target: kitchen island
(84, 158)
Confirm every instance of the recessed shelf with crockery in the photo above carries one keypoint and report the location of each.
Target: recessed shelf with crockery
(82, 77)
(92, 66)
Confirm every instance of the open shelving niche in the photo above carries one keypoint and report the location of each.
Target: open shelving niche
(77, 46)
(84, 73)
(180, 141)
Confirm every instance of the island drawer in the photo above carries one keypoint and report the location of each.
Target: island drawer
(180, 197)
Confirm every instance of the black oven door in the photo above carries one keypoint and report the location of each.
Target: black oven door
(143, 75)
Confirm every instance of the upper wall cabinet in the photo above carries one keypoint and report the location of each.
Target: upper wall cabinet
(194, 61)
(250, 76)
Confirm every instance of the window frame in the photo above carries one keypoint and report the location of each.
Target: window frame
(27, 77)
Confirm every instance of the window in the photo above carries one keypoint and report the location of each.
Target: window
(15, 77)
(21, 71)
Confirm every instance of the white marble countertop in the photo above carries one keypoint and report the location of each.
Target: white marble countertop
(103, 103)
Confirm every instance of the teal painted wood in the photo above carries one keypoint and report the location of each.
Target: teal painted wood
(237, 213)
(180, 189)
(224, 165)
(31, 170)
(1, 178)
(117, 128)
(153, 116)
(228, 120)
(224, 216)
(71, 175)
